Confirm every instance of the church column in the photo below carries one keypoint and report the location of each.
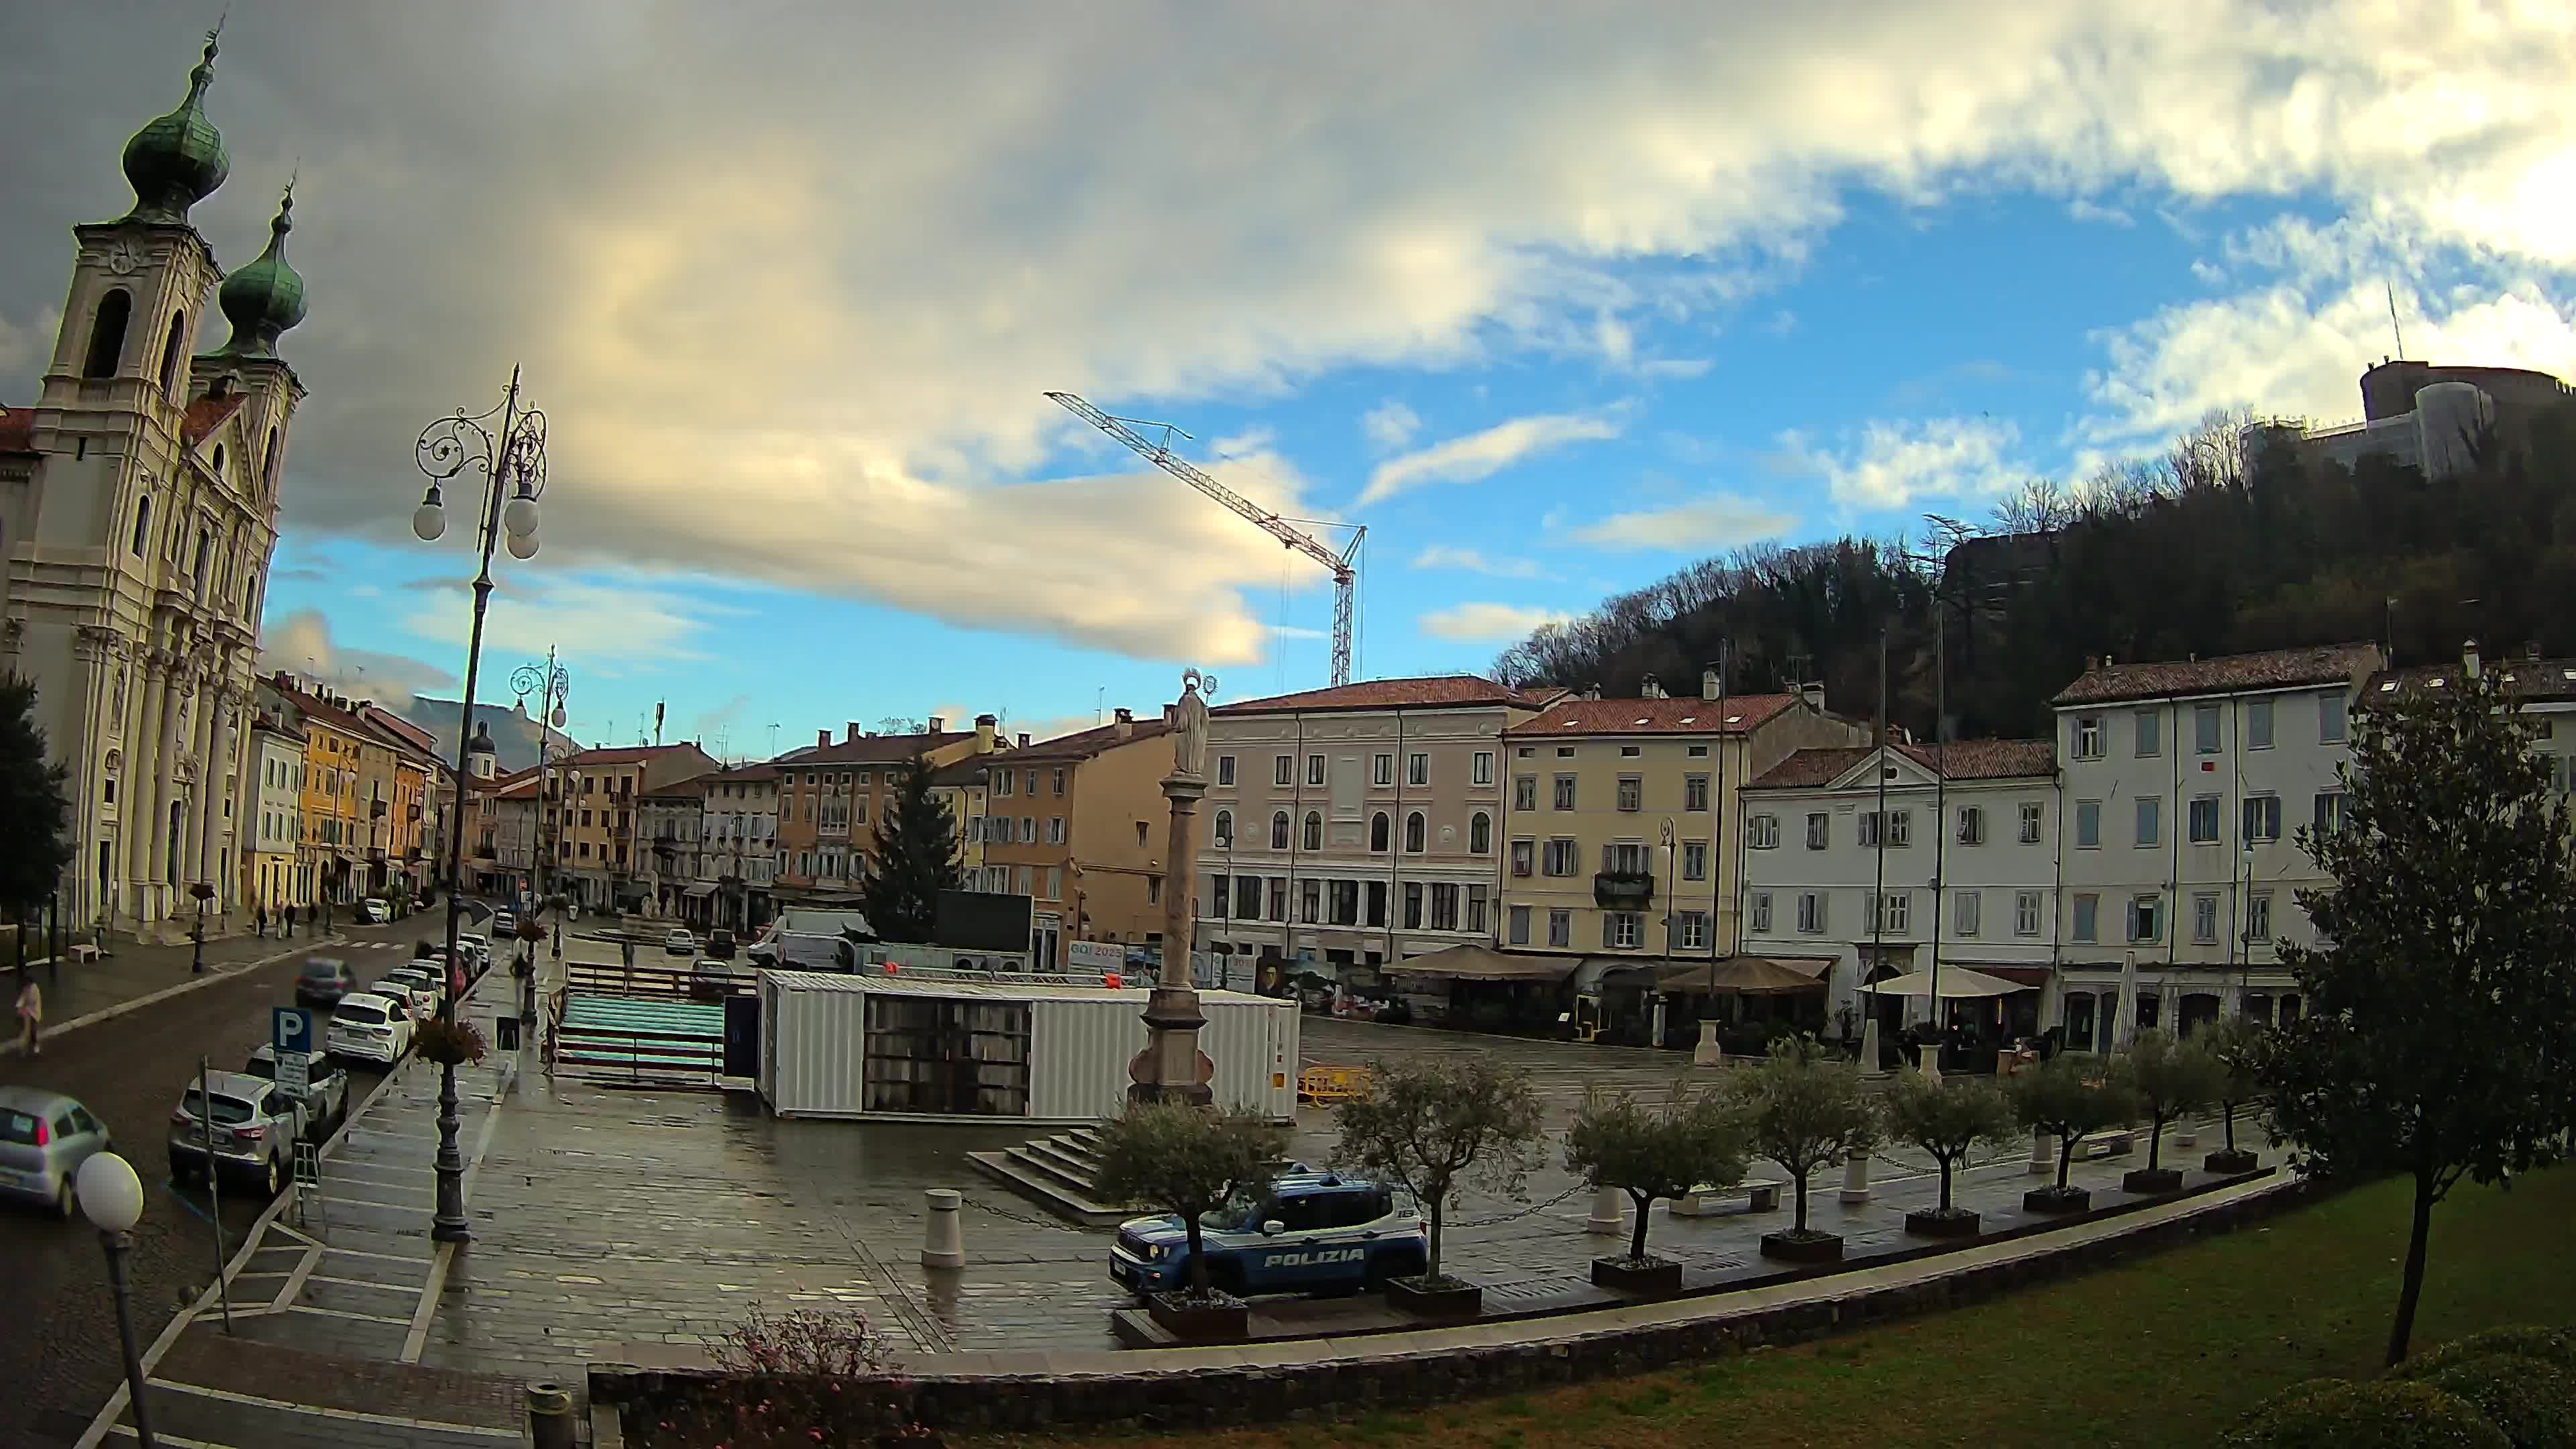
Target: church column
(178, 704)
(141, 799)
(207, 808)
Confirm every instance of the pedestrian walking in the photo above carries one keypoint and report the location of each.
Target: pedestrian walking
(31, 1014)
(259, 922)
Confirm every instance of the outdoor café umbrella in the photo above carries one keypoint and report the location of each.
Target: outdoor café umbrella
(1739, 976)
(1957, 982)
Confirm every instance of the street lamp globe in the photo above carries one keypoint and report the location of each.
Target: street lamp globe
(522, 545)
(429, 520)
(558, 717)
(519, 518)
(111, 1196)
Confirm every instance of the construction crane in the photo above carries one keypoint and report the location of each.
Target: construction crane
(1345, 573)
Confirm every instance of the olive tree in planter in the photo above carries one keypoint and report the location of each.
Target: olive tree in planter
(2070, 1096)
(1182, 1160)
(1805, 1109)
(2237, 1044)
(1948, 1119)
(1694, 1141)
(1424, 1126)
(2169, 1080)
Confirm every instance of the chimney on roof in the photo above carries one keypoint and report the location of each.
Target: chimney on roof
(2469, 658)
(985, 724)
(1592, 691)
(822, 738)
(938, 724)
(2531, 649)
(1024, 739)
(2092, 662)
(1814, 695)
(853, 731)
(1708, 686)
(1126, 725)
(1650, 688)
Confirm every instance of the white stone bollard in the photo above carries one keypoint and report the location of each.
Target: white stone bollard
(1605, 1213)
(1708, 1053)
(2043, 1155)
(1856, 1180)
(1869, 1047)
(943, 1242)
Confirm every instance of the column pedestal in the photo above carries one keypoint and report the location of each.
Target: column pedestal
(1171, 1067)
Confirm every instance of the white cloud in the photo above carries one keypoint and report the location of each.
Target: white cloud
(1475, 561)
(1482, 623)
(615, 625)
(1482, 455)
(1896, 463)
(1389, 426)
(301, 644)
(1702, 525)
(2086, 209)
(780, 346)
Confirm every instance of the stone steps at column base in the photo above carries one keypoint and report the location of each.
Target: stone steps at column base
(1048, 1187)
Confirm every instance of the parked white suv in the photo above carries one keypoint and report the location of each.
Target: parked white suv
(253, 1131)
(370, 1028)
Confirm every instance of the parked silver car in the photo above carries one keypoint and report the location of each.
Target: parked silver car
(44, 1138)
(253, 1131)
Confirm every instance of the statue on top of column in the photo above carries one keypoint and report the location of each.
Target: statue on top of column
(1190, 725)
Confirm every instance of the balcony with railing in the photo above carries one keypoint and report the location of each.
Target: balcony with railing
(1623, 890)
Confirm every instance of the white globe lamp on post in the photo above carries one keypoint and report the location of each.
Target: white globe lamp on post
(111, 1197)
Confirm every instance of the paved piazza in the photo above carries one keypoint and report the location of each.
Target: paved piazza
(606, 1217)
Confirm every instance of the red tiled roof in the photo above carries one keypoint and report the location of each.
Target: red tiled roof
(626, 754)
(207, 414)
(1435, 691)
(1694, 716)
(1083, 744)
(17, 430)
(2226, 674)
(870, 749)
(1960, 759)
(2526, 679)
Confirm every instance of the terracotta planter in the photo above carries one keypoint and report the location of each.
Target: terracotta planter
(2056, 1200)
(1226, 1322)
(1656, 1277)
(1934, 1223)
(1452, 1300)
(1788, 1248)
(2231, 1161)
(2151, 1180)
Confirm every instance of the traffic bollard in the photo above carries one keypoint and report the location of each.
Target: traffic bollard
(2043, 1155)
(1856, 1179)
(943, 1242)
(1605, 1213)
(550, 1416)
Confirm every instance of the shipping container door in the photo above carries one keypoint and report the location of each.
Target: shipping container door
(743, 1046)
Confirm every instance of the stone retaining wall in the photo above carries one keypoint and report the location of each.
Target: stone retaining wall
(1216, 1395)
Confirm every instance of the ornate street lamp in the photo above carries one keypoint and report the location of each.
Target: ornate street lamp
(512, 460)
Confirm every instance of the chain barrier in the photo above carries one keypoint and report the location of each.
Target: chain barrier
(1578, 1188)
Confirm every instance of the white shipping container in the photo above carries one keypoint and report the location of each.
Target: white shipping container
(1074, 1042)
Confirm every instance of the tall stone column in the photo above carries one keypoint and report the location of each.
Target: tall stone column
(1171, 1067)
(214, 786)
(134, 779)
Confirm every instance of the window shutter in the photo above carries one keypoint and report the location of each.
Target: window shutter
(1605, 929)
(1605, 857)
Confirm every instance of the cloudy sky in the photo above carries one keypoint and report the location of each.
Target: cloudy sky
(1552, 299)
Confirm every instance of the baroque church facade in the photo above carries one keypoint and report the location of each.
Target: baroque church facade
(138, 517)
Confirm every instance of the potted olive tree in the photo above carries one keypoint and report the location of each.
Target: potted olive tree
(1424, 1126)
(1693, 1141)
(2237, 1044)
(1948, 1119)
(2070, 1096)
(2168, 1080)
(1805, 1109)
(1187, 1162)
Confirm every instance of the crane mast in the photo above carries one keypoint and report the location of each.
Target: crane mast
(1345, 576)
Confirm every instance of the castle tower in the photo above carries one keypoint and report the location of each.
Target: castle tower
(139, 503)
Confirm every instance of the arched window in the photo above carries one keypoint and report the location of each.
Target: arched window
(107, 334)
(268, 464)
(1279, 830)
(1378, 831)
(170, 352)
(1413, 828)
(142, 523)
(1224, 829)
(1480, 833)
(1314, 830)
(219, 460)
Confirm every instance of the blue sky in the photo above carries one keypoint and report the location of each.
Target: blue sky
(1552, 309)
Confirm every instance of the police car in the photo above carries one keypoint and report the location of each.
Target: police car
(1309, 1232)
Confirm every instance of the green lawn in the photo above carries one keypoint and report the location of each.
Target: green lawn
(2169, 1350)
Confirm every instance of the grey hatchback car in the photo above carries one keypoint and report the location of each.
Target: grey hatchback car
(44, 1138)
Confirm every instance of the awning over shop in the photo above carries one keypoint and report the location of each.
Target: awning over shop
(2026, 977)
(699, 889)
(1739, 976)
(1483, 963)
(1957, 982)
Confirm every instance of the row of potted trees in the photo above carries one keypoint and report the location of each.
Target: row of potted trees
(1433, 1126)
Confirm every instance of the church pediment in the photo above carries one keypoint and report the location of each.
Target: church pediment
(1903, 772)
